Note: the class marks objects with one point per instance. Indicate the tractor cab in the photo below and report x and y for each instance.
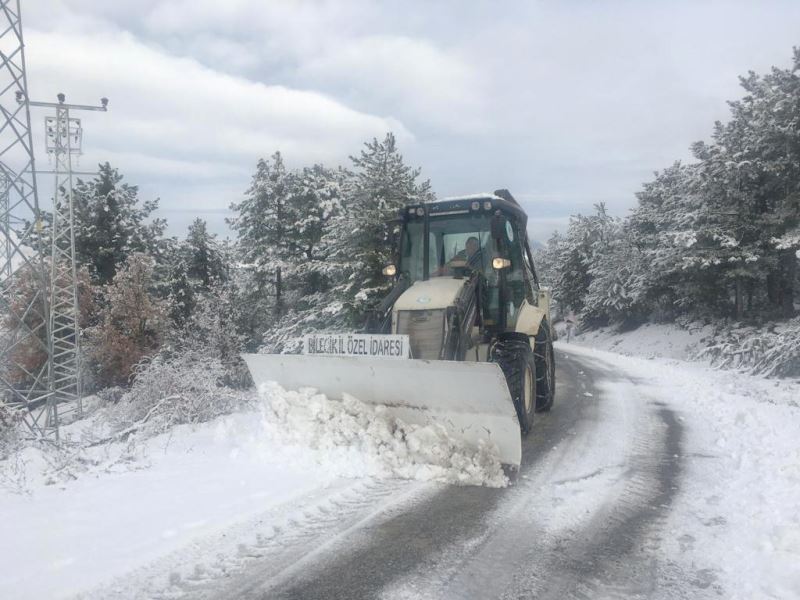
(480, 238)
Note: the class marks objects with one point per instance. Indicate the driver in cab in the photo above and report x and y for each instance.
(471, 257)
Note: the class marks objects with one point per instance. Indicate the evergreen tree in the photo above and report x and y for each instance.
(182, 293)
(719, 237)
(201, 254)
(360, 236)
(111, 223)
(752, 182)
(267, 218)
(313, 272)
(260, 225)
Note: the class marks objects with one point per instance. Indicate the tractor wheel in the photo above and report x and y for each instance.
(515, 358)
(545, 368)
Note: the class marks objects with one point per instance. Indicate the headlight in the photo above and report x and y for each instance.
(487, 205)
(390, 270)
(420, 211)
(500, 263)
(476, 205)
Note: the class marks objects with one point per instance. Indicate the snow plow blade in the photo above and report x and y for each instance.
(470, 400)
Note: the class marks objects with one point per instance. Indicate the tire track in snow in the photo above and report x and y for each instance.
(615, 554)
(278, 537)
(583, 522)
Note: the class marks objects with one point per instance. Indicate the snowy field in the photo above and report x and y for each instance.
(151, 518)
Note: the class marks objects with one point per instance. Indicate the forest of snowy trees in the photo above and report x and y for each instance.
(716, 239)
(164, 317)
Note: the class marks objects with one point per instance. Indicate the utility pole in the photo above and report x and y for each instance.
(63, 138)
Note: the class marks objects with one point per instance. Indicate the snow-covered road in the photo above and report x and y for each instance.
(649, 479)
(627, 491)
(599, 477)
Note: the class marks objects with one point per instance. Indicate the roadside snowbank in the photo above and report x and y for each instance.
(80, 517)
(736, 520)
(771, 349)
(651, 340)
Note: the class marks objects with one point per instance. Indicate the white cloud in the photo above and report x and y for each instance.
(412, 77)
(178, 112)
(163, 103)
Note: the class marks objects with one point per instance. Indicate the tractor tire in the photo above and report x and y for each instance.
(545, 368)
(515, 358)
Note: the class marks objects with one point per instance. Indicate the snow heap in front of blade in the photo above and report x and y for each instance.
(374, 443)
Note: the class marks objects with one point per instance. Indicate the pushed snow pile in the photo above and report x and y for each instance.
(374, 442)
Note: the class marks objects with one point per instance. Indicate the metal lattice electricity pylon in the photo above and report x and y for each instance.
(25, 348)
(40, 358)
(64, 136)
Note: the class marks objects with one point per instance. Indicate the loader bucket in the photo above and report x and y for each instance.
(470, 400)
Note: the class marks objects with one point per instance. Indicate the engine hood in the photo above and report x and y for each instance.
(436, 293)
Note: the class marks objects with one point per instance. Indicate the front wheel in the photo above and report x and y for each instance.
(515, 358)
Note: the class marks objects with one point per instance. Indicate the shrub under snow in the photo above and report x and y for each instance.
(187, 388)
(773, 353)
(10, 437)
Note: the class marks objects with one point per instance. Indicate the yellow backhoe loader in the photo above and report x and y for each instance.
(463, 339)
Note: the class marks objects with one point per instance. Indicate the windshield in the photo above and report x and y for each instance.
(455, 243)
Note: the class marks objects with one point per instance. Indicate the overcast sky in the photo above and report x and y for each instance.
(564, 103)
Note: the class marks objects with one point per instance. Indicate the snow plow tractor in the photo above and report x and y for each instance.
(462, 340)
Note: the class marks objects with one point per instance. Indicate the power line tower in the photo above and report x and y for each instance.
(64, 138)
(5, 226)
(40, 357)
(25, 341)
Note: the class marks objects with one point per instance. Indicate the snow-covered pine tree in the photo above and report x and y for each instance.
(670, 229)
(201, 253)
(719, 237)
(262, 218)
(573, 261)
(260, 223)
(752, 181)
(619, 278)
(111, 223)
(181, 292)
(196, 263)
(215, 329)
(359, 237)
(311, 272)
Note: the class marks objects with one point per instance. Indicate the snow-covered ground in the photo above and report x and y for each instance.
(152, 517)
(651, 340)
(737, 516)
(82, 518)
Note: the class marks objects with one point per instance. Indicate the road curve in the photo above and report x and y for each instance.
(582, 520)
